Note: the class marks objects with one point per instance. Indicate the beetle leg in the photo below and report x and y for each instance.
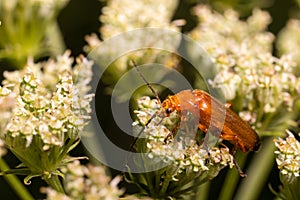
(183, 121)
(242, 174)
(202, 127)
(227, 105)
(232, 139)
(233, 151)
(171, 133)
(167, 137)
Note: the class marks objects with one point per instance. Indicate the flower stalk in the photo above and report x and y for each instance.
(15, 183)
(54, 182)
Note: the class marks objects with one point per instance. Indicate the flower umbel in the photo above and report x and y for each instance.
(47, 116)
(86, 182)
(151, 37)
(288, 161)
(288, 40)
(183, 162)
(258, 84)
(288, 156)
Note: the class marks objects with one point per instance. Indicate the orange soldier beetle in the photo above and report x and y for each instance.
(233, 129)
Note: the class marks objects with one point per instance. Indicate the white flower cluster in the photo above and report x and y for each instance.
(46, 100)
(7, 102)
(225, 34)
(124, 15)
(242, 54)
(46, 8)
(121, 16)
(86, 182)
(146, 109)
(184, 153)
(288, 156)
(288, 40)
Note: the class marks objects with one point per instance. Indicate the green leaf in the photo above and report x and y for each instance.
(19, 171)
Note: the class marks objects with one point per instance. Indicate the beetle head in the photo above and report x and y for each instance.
(168, 105)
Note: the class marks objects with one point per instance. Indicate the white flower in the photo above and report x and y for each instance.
(88, 182)
(44, 116)
(183, 152)
(288, 156)
(288, 40)
(242, 53)
(121, 16)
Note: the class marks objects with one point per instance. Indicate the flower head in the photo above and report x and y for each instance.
(86, 182)
(185, 158)
(222, 34)
(247, 73)
(127, 24)
(288, 40)
(288, 156)
(117, 18)
(48, 111)
(187, 152)
(36, 38)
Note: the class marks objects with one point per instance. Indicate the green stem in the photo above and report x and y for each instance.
(15, 183)
(258, 172)
(232, 178)
(149, 180)
(202, 191)
(55, 183)
(157, 179)
(166, 183)
(290, 188)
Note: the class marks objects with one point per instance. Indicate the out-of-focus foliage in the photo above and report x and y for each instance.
(288, 41)
(29, 29)
(120, 16)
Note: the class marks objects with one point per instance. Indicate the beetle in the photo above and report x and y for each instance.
(212, 113)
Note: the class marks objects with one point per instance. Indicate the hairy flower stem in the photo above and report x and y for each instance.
(151, 189)
(166, 183)
(15, 183)
(232, 178)
(55, 183)
(291, 190)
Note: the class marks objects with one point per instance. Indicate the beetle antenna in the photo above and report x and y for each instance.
(152, 117)
(144, 79)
